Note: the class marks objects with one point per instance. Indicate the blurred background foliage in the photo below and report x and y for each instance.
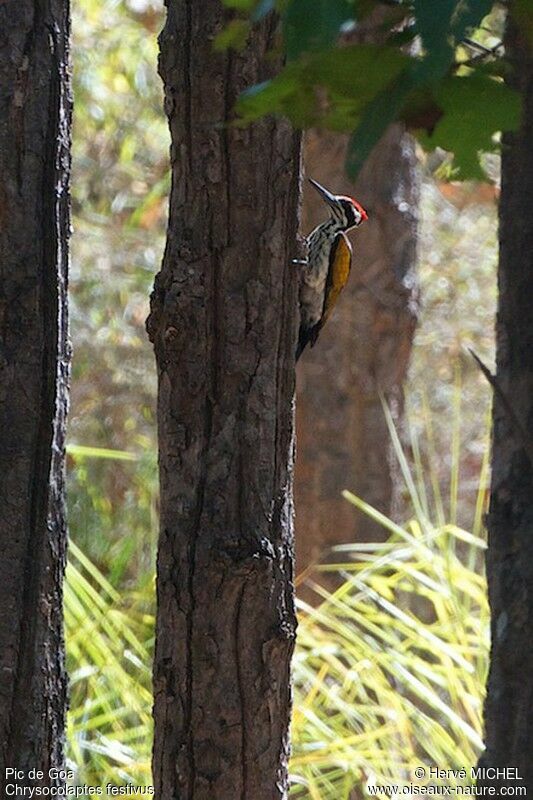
(120, 184)
(367, 698)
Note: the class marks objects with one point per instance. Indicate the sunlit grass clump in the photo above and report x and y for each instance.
(109, 639)
(389, 670)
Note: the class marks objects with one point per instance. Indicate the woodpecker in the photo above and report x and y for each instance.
(328, 264)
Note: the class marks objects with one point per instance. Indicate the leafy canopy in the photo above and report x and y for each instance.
(435, 66)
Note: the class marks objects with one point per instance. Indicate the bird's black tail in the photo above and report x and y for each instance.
(306, 336)
(299, 349)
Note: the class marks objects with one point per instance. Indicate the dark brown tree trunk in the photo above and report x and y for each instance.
(223, 324)
(34, 230)
(343, 440)
(509, 705)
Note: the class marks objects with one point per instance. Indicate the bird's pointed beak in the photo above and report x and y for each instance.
(329, 198)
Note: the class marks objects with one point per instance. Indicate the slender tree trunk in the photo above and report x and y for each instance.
(343, 439)
(223, 324)
(34, 230)
(509, 706)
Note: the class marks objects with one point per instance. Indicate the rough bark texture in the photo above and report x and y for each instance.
(34, 229)
(343, 440)
(223, 325)
(509, 706)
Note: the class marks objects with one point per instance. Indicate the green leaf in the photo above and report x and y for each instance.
(351, 77)
(382, 110)
(358, 72)
(234, 35)
(474, 109)
(244, 6)
(433, 21)
(311, 25)
(287, 94)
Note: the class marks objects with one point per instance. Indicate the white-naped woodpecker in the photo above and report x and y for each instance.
(328, 264)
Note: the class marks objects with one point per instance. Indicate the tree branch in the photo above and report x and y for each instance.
(519, 429)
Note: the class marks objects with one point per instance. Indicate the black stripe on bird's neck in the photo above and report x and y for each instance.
(337, 223)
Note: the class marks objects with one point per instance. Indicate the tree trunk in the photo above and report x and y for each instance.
(343, 440)
(509, 705)
(223, 323)
(34, 230)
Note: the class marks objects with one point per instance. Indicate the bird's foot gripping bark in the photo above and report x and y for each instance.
(301, 255)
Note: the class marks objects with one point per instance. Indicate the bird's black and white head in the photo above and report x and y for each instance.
(345, 211)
